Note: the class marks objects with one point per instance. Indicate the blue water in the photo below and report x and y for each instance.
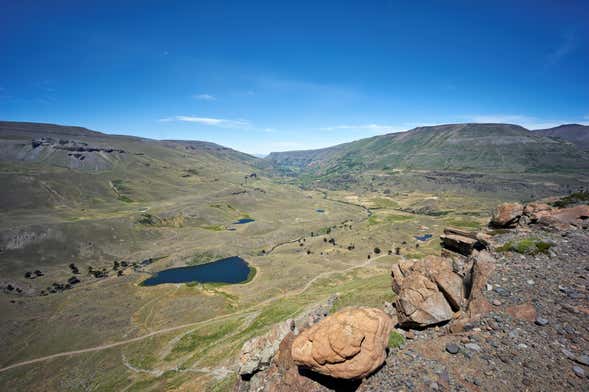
(424, 237)
(243, 220)
(320, 210)
(230, 270)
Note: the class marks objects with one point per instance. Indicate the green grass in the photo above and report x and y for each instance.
(125, 199)
(381, 202)
(203, 258)
(224, 385)
(213, 227)
(372, 294)
(396, 340)
(378, 219)
(466, 223)
(529, 246)
(202, 338)
(573, 198)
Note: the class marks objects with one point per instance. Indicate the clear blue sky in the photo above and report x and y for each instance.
(275, 75)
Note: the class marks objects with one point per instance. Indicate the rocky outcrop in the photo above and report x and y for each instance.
(506, 215)
(563, 218)
(510, 215)
(433, 290)
(460, 241)
(349, 344)
(258, 352)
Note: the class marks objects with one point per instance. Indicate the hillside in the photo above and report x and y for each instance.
(77, 167)
(454, 147)
(575, 133)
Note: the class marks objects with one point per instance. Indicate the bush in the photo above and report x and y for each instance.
(396, 340)
(573, 198)
(529, 246)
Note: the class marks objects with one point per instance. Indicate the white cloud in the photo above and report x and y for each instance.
(216, 122)
(369, 127)
(204, 97)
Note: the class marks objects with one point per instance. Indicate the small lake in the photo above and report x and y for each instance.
(424, 237)
(229, 270)
(243, 220)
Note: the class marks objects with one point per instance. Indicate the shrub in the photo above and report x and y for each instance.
(396, 340)
(530, 246)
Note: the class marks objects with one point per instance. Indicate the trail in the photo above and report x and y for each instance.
(179, 327)
(183, 326)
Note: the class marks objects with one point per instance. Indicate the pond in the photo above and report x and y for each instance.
(229, 270)
(320, 210)
(424, 237)
(243, 220)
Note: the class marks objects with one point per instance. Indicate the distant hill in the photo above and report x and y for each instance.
(84, 149)
(574, 133)
(454, 147)
(47, 165)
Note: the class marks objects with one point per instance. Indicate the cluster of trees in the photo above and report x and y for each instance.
(34, 274)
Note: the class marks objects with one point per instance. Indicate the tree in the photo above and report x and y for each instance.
(377, 251)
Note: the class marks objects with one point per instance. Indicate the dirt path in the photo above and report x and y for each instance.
(179, 327)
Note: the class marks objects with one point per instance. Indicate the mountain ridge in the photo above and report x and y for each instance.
(467, 146)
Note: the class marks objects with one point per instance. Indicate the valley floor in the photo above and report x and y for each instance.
(113, 334)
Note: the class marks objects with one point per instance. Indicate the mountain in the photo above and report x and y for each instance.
(575, 133)
(453, 147)
(76, 167)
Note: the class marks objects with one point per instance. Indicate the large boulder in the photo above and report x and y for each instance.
(421, 303)
(535, 211)
(561, 219)
(349, 344)
(428, 291)
(483, 265)
(506, 215)
(257, 353)
(436, 289)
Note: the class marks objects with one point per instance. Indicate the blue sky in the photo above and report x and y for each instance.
(272, 76)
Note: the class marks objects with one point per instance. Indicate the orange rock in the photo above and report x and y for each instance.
(535, 211)
(563, 218)
(506, 215)
(525, 312)
(349, 344)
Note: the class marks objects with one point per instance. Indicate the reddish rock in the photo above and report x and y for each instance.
(428, 291)
(535, 211)
(562, 218)
(349, 344)
(506, 215)
(525, 312)
(420, 302)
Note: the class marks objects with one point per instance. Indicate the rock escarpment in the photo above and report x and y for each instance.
(510, 215)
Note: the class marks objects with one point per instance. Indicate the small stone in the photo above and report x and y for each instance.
(568, 354)
(531, 282)
(579, 371)
(489, 287)
(501, 291)
(452, 348)
(496, 302)
(473, 347)
(583, 359)
(410, 335)
(522, 346)
(541, 321)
